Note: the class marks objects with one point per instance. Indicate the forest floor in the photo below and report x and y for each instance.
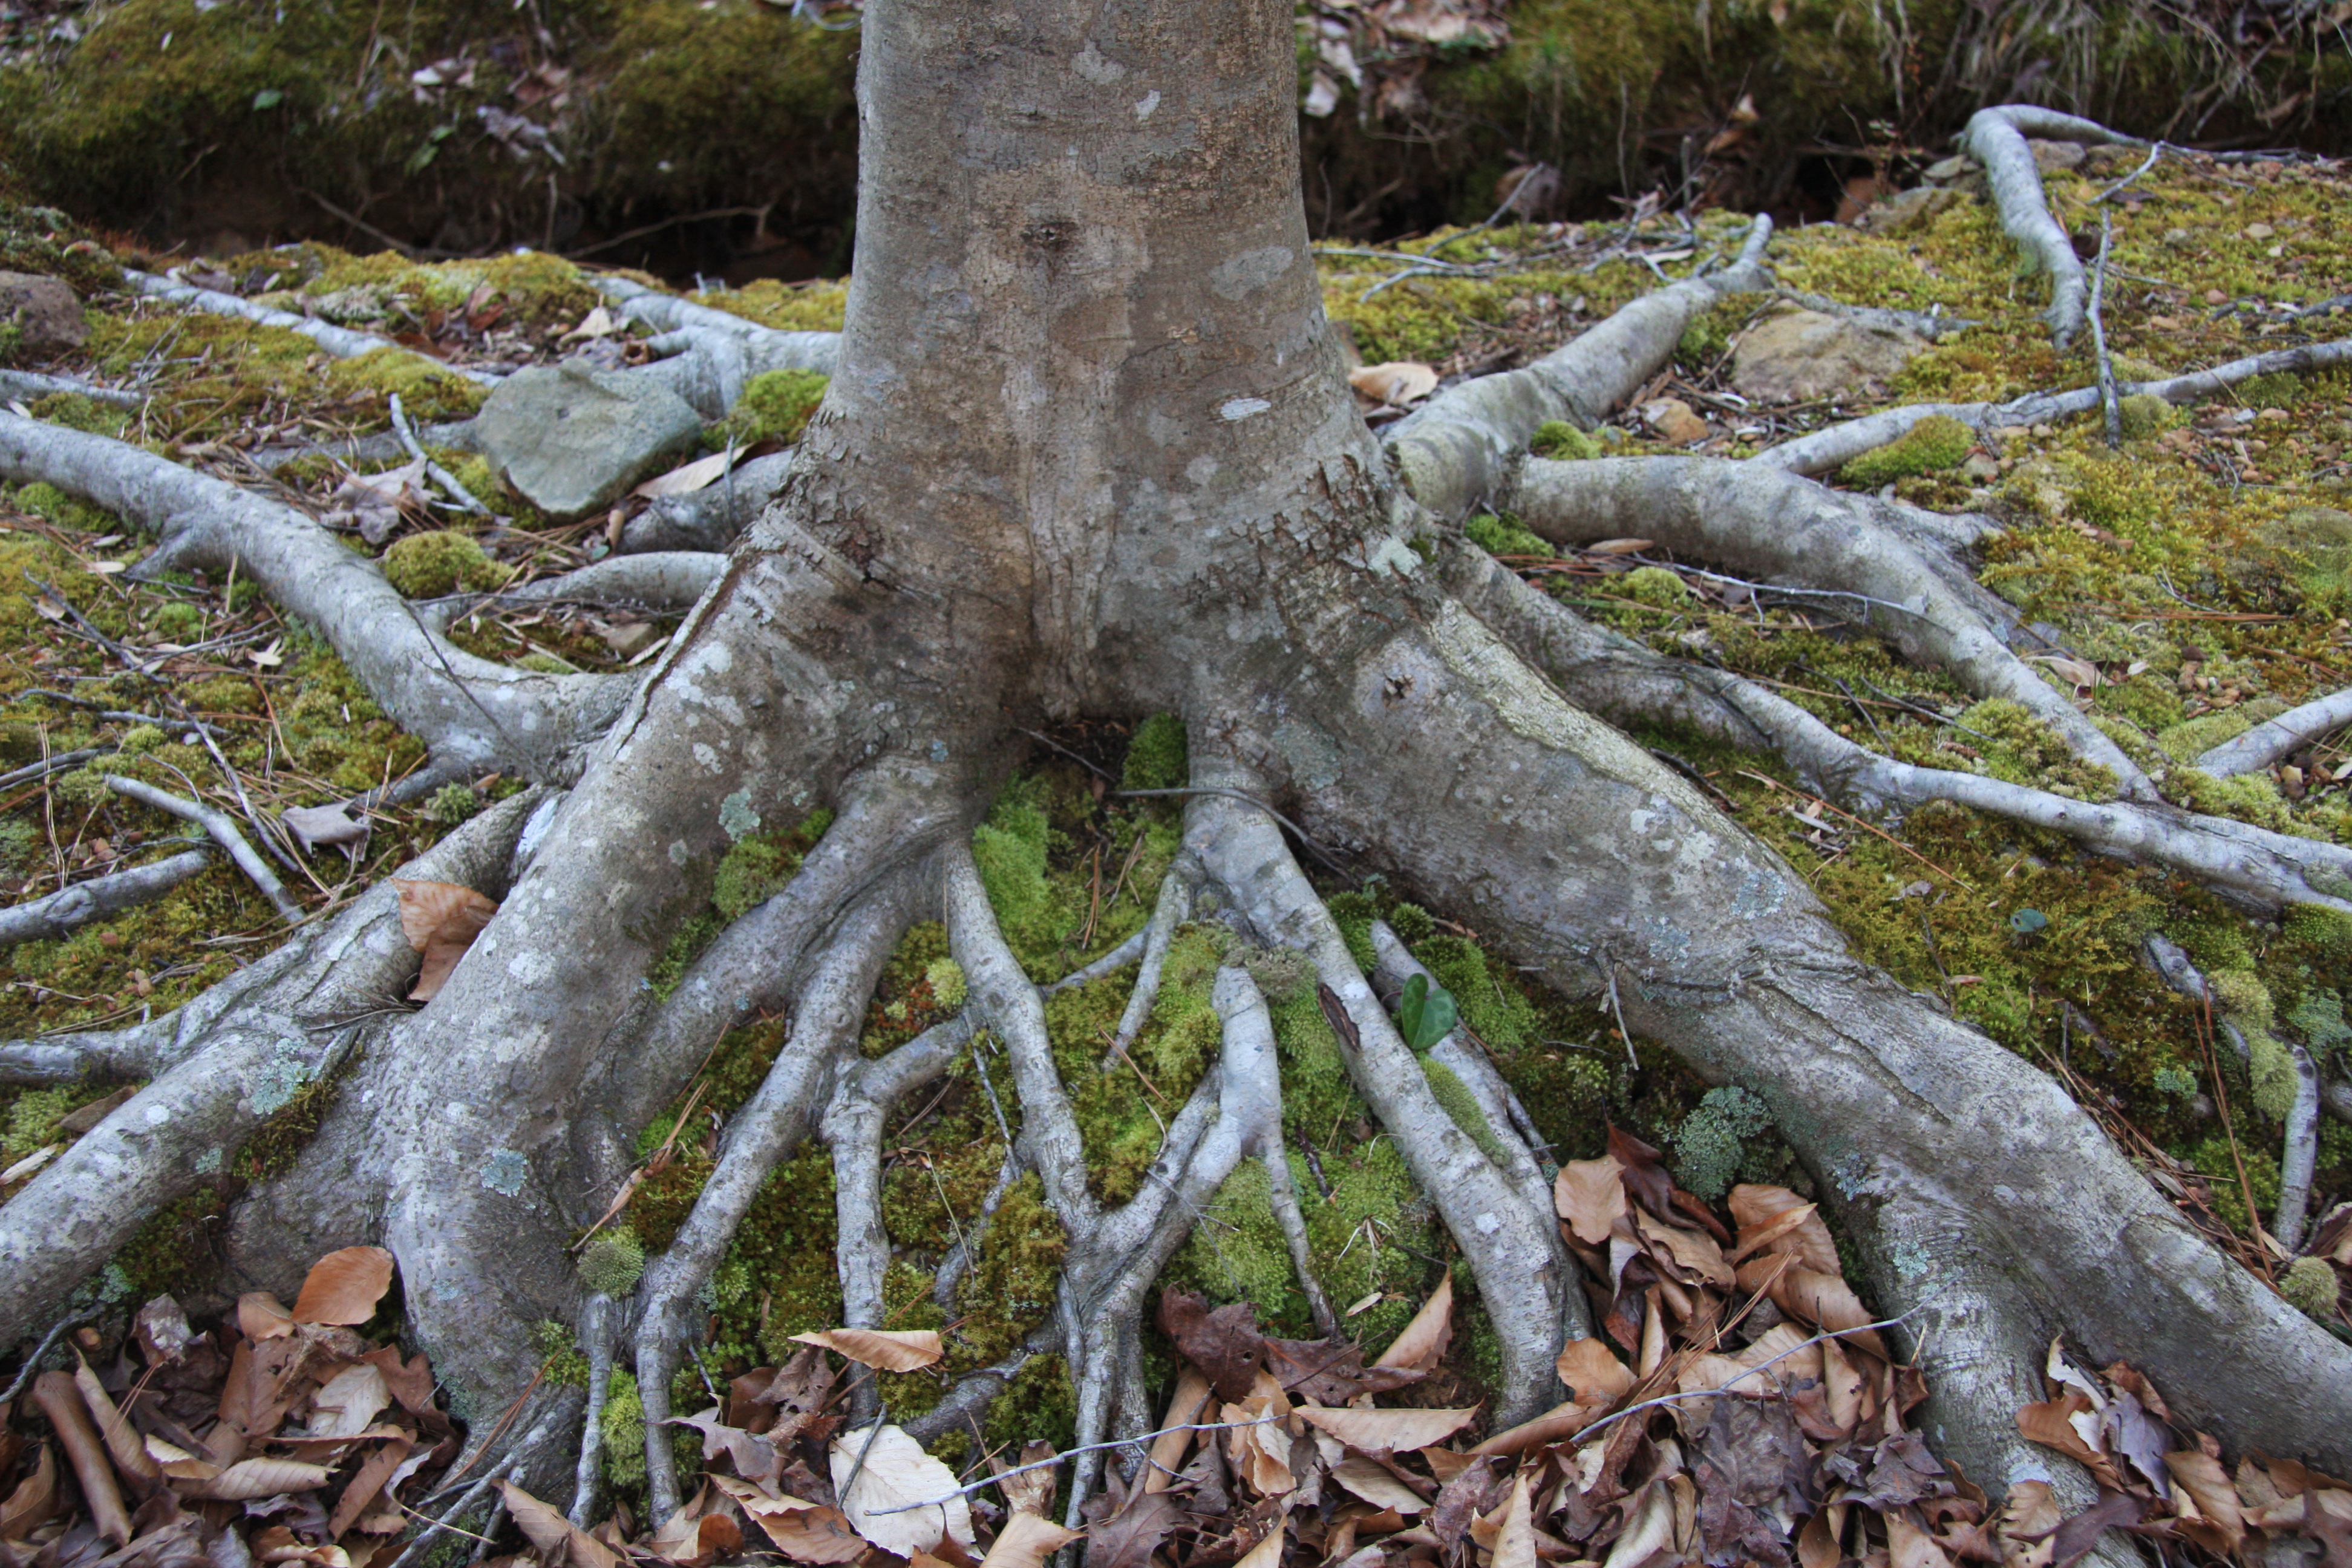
(2198, 577)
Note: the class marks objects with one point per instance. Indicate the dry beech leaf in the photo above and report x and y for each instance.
(1377, 1486)
(1168, 1449)
(348, 1402)
(897, 1472)
(2208, 1485)
(178, 1463)
(250, 1479)
(2051, 1425)
(687, 478)
(557, 1539)
(1026, 1541)
(344, 1287)
(320, 827)
(1621, 546)
(1590, 1194)
(440, 921)
(33, 1501)
(1424, 1340)
(803, 1531)
(1591, 1373)
(1386, 1431)
(1396, 383)
(1030, 1490)
(123, 1442)
(1822, 1299)
(887, 1349)
(259, 1316)
(1268, 1553)
(366, 1487)
(1758, 1209)
(1515, 1535)
(1689, 1251)
(1562, 1420)
(692, 1541)
(1650, 1526)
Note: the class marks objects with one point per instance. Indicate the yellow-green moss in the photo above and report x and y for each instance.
(1936, 443)
(1156, 754)
(775, 406)
(1012, 1281)
(1563, 443)
(429, 390)
(429, 565)
(1503, 537)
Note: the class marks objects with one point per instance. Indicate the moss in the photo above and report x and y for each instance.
(945, 978)
(1238, 1252)
(429, 390)
(624, 1433)
(429, 565)
(560, 1360)
(775, 406)
(1038, 1405)
(1491, 1001)
(2310, 1288)
(1934, 444)
(2319, 1018)
(2211, 1157)
(1563, 443)
(756, 867)
(75, 412)
(1462, 1106)
(1156, 757)
(612, 1261)
(45, 499)
(453, 804)
(2191, 739)
(1653, 585)
(1499, 537)
(2144, 414)
(1013, 1280)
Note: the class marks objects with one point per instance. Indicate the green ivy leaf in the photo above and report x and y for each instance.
(1426, 1013)
(2025, 923)
(267, 98)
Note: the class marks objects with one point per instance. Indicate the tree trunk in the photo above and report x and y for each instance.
(1087, 451)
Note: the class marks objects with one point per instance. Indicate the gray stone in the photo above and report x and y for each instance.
(44, 312)
(572, 439)
(1806, 354)
(2057, 157)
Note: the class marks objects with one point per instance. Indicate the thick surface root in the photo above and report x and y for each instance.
(1996, 137)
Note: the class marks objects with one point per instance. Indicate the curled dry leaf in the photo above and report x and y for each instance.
(1592, 1374)
(1268, 1553)
(440, 921)
(687, 478)
(344, 1287)
(886, 1350)
(1621, 546)
(1026, 1541)
(348, 1402)
(1387, 1431)
(250, 1479)
(692, 1541)
(897, 1473)
(1590, 1194)
(1377, 1485)
(803, 1531)
(557, 1539)
(260, 1316)
(1774, 1219)
(1168, 1449)
(123, 1443)
(1396, 383)
(1514, 1536)
(1422, 1342)
(178, 1463)
(325, 826)
(2207, 1487)
(35, 1499)
(1032, 1490)
(1824, 1299)
(162, 1332)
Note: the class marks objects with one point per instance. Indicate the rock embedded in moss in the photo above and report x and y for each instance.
(430, 565)
(1806, 354)
(572, 439)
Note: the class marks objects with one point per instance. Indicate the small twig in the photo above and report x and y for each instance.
(2107, 403)
(881, 1415)
(1073, 1453)
(1049, 740)
(433, 470)
(31, 1369)
(224, 833)
(2154, 153)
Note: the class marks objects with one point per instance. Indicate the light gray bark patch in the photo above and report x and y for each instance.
(1238, 277)
(736, 815)
(504, 1170)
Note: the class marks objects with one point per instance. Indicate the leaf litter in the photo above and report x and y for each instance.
(1738, 1406)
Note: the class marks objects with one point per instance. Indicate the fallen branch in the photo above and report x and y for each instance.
(224, 833)
(83, 902)
(1834, 446)
(433, 470)
(27, 385)
(341, 342)
(2265, 743)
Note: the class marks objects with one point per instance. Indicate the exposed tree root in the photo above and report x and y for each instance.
(222, 1065)
(1834, 446)
(2265, 743)
(1620, 680)
(1173, 906)
(1576, 852)
(1462, 447)
(668, 580)
(481, 716)
(1790, 530)
(1466, 1057)
(714, 355)
(341, 342)
(827, 1017)
(712, 517)
(1996, 138)
(599, 1326)
(97, 898)
(27, 385)
(1525, 1276)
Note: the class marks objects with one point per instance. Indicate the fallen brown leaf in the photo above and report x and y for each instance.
(886, 1350)
(250, 1479)
(1386, 1431)
(556, 1537)
(1590, 1194)
(440, 921)
(803, 1531)
(1422, 1341)
(1396, 383)
(1026, 1541)
(1225, 1344)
